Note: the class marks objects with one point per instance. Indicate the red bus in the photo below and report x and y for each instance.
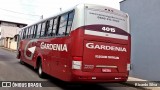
(88, 43)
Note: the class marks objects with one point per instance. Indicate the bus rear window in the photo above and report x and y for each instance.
(105, 18)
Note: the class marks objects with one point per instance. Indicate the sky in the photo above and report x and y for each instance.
(30, 11)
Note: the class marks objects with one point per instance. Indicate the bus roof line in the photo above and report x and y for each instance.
(52, 16)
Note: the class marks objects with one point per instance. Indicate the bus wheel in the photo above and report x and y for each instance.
(21, 62)
(40, 72)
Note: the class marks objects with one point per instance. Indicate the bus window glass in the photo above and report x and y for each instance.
(54, 27)
(70, 20)
(27, 32)
(47, 28)
(24, 33)
(50, 27)
(43, 29)
(21, 34)
(38, 30)
(63, 24)
(71, 15)
(34, 31)
(68, 30)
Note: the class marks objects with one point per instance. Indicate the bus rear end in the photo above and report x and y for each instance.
(102, 46)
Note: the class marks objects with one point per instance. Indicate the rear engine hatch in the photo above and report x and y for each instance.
(104, 57)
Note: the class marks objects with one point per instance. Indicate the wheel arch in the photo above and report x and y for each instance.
(39, 58)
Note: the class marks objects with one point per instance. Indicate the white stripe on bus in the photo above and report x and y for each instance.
(103, 34)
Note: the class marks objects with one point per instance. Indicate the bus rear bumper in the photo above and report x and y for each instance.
(79, 76)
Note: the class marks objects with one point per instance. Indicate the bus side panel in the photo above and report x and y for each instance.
(56, 62)
(77, 42)
(25, 52)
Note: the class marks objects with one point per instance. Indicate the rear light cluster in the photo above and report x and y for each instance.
(77, 63)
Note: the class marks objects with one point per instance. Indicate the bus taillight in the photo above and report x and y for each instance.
(77, 63)
(128, 67)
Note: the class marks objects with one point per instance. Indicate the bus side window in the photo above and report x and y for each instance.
(63, 24)
(69, 23)
(28, 32)
(34, 31)
(26, 36)
(38, 30)
(31, 30)
(47, 28)
(50, 27)
(54, 32)
(24, 33)
(43, 29)
(21, 34)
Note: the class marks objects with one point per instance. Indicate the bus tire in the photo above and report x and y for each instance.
(40, 71)
(20, 60)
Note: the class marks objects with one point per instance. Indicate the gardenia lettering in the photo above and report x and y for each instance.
(57, 47)
(104, 47)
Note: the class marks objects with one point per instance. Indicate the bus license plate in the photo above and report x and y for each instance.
(106, 70)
